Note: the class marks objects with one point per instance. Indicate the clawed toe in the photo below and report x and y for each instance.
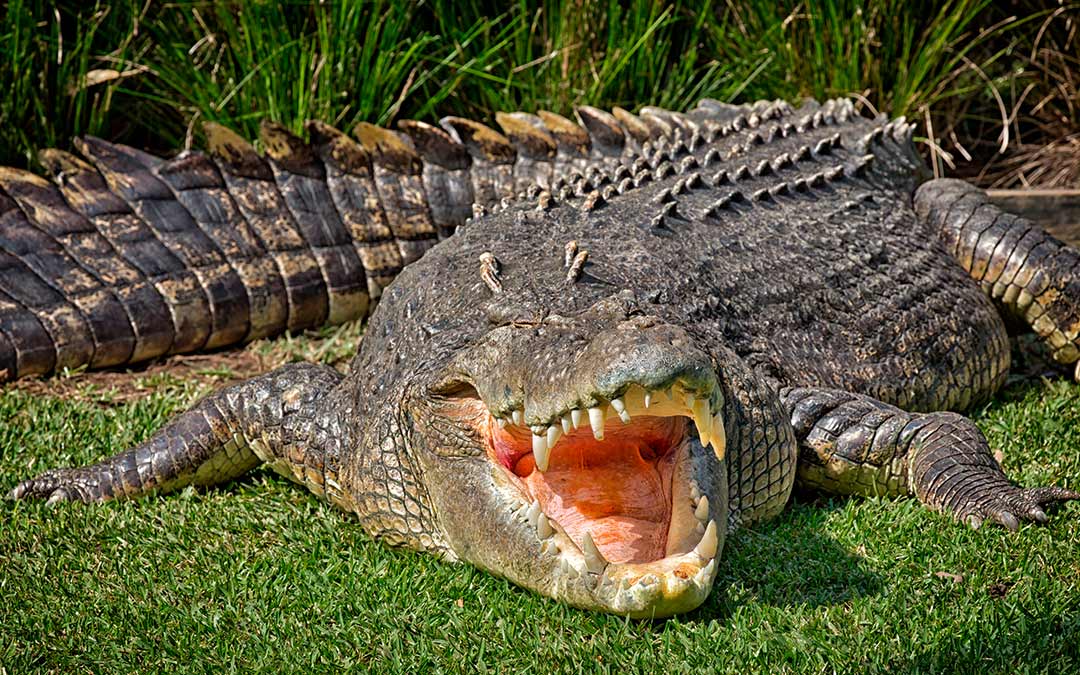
(1006, 520)
(1017, 505)
(57, 485)
(1038, 515)
(58, 495)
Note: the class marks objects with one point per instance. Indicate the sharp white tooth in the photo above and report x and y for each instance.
(704, 573)
(553, 434)
(703, 420)
(670, 393)
(569, 569)
(702, 509)
(719, 435)
(648, 398)
(567, 426)
(533, 514)
(703, 434)
(518, 416)
(596, 420)
(501, 422)
(695, 491)
(593, 559)
(575, 417)
(701, 411)
(541, 452)
(620, 410)
(690, 400)
(543, 526)
(706, 548)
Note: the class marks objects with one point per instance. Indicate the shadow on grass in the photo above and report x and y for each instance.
(784, 563)
(789, 562)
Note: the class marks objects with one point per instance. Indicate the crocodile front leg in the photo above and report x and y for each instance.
(279, 418)
(1027, 271)
(853, 444)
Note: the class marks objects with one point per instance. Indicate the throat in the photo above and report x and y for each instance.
(617, 490)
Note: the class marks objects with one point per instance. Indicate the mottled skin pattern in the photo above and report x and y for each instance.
(776, 265)
(127, 256)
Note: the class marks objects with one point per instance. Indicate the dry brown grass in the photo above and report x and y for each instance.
(333, 346)
(1044, 110)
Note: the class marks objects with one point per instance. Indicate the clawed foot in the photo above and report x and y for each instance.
(56, 485)
(953, 472)
(1007, 506)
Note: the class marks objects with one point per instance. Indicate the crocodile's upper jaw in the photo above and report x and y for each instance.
(620, 519)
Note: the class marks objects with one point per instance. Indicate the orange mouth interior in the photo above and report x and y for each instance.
(618, 489)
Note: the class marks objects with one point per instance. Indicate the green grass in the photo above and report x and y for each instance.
(148, 73)
(237, 63)
(259, 575)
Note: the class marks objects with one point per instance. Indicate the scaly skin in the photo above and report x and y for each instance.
(582, 391)
(129, 256)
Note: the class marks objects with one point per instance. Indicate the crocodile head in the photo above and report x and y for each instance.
(580, 456)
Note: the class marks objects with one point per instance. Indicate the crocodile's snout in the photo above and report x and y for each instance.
(599, 436)
(547, 369)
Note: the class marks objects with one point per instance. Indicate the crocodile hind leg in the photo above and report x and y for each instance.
(274, 418)
(1027, 271)
(854, 444)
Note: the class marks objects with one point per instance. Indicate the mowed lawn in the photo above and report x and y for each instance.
(259, 575)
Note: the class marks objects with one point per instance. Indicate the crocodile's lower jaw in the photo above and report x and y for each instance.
(621, 519)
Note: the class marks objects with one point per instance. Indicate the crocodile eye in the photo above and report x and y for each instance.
(453, 389)
(454, 421)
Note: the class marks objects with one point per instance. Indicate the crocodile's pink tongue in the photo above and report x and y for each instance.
(618, 490)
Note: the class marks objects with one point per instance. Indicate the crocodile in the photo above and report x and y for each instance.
(586, 388)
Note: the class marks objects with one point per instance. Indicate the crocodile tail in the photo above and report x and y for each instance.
(126, 256)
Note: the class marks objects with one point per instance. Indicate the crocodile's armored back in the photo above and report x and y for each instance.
(127, 257)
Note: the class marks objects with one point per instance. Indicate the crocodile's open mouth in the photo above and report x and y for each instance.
(616, 490)
(610, 490)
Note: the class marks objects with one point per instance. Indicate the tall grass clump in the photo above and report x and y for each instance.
(559, 53)
(1043, 100)
(341, 62)
(148, 73)
(375, 61)
(935, 62)
(61, 66)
